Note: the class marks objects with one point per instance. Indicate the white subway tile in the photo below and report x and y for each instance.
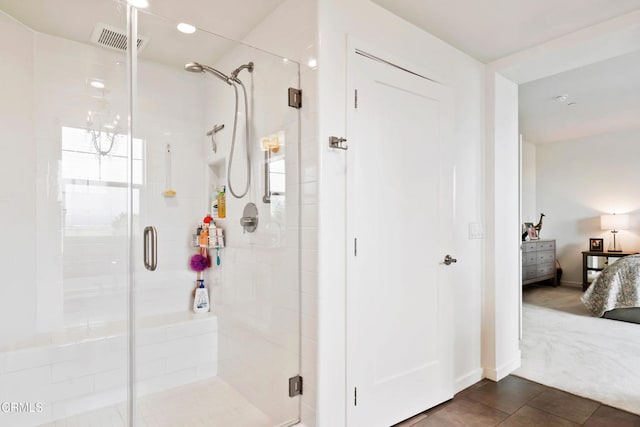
(207, 370)
(173, 379)
(27, 385)
(309, 238)
(93, 363)
(70, 389)
(310, 193)
(25, 359)
(309, 215)
(150, 369)
(308, 415)
(111, 379)
(309, 261)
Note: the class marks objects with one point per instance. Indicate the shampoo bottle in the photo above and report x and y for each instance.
(201, 300)
(222, 203)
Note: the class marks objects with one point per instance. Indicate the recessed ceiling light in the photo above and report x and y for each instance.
(186, 28)
(312, 62)
(561, 98)
(98, 84)
(140, 4)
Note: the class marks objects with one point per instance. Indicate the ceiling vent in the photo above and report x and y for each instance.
(114, 38)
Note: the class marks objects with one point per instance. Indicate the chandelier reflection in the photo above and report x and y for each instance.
(103, 129)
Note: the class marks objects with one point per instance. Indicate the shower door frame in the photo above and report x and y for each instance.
(132, 81)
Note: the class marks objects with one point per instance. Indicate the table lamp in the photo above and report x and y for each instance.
(614, 223)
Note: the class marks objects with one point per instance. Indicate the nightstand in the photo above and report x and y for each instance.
(596, 262)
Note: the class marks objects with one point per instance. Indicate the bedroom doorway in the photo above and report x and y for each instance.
(575, 126)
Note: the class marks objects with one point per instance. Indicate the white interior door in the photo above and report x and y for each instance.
(399, 215)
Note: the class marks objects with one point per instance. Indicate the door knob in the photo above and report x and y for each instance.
(448, 260)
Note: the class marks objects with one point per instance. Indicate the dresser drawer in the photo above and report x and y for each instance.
(529, 258)
(529, 247)
(530, 272)
(546, 256)
(545, 246)
(545, 269)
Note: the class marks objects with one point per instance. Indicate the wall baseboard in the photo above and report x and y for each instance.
(571, 284)
(468, 380)
(496, 374)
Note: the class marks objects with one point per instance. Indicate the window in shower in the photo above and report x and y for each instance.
(94, 221)
(88, 176)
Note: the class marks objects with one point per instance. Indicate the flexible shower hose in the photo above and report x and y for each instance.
(246, 141)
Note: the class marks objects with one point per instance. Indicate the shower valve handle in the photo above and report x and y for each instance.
(247, 220)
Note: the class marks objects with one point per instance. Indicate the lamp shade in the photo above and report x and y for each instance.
(614, 222)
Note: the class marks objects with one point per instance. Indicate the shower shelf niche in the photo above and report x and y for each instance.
(216, 178)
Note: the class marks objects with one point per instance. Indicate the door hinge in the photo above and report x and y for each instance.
(355, 396)
(338, 142)
(355, 247)
(295, 386)
(295, 97)
(355, 103)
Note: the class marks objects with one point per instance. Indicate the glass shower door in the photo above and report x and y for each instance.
(63, 138)
(229, 365)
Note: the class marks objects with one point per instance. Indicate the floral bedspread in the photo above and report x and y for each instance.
(618, 286)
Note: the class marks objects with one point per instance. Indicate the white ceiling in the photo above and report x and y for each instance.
(491, 29)
(607, 93)
(607, 97)
(75, 20)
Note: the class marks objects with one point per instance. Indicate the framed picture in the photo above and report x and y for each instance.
(525, 230)
(596, 245)
(533, 233)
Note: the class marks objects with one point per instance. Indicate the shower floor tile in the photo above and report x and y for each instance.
(209, 403)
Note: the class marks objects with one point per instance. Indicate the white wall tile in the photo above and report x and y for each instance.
(27, 385)
(17, 204)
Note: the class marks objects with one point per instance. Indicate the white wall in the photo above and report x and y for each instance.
(579, 180)
(529, 209)
(500, 329)
(17, 169)
(377, 27)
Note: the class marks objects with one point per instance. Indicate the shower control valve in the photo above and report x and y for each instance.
(249, 220)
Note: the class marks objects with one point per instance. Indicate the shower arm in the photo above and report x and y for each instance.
(234, 73)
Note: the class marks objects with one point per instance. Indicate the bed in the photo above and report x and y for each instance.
(615, 294)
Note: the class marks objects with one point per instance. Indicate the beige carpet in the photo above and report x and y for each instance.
(564, 347)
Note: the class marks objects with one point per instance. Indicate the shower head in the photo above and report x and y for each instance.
(195, 67)
(234, 73)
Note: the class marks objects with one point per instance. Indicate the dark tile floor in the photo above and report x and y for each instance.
(515, 402)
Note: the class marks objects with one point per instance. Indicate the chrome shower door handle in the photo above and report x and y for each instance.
(267, 176)
(448, 260)
(150, 248)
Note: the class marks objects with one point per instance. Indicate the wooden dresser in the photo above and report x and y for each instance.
(538, 261)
